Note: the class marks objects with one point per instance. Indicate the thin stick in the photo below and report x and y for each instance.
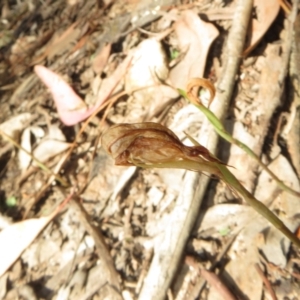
(266, 281)
(38, 162)
(168, 255)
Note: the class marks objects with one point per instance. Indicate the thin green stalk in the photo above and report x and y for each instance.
(224, 174)
(218, 126)
(231, 180)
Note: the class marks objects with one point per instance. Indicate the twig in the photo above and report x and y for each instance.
(212, 279)
(275, 90)
(293, 135)
(215, 281)
(145, 266)
(113, 278)
(285, 6)
(200, 284)
(173, 240)
(38, 162)
(32, 201)
(266, 281)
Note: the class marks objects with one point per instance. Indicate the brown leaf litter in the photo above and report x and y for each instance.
(106, 242)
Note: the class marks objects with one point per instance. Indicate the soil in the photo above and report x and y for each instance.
(81, 227)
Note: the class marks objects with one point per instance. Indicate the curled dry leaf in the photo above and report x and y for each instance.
(149, 143)
(193, 87)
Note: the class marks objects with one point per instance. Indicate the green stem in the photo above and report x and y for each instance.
(218, 126)
(223, 173)
(230, 179)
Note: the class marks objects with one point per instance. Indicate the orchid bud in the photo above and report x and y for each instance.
(142, 142)
(148, 144)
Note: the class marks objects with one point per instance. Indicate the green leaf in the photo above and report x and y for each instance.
(11, 201)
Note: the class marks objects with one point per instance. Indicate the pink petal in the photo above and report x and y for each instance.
(70, 107)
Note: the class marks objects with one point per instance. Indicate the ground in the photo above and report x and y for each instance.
(90, 216)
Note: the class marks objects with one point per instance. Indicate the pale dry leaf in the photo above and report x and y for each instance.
(266, 12)
(37, 131)
(17, 237)
(186, 118)
(149, 68)
(195, 38)
(288, 288)
(266, 186)
(155, 195)
(276, 244)
(4, 222)
(127, 295)
(258, 234)
(24, 158)
(14, 125)
(91, 96)
(96, 84)
(97, 280)
(241, 270)
(225, 216)
(125, 177)
(72, 2)
(55, 133)
(3, 286)
(49, 148)
(244, 255)
(109, 84)
(149, 64)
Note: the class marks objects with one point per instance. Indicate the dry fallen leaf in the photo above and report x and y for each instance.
(149, 67)
(24, 158)
(49, 148)
(195, 38)
(15, 124)
(15, 238)
(70, 107)
(26, 140)
(266, 12)
(149, 64)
